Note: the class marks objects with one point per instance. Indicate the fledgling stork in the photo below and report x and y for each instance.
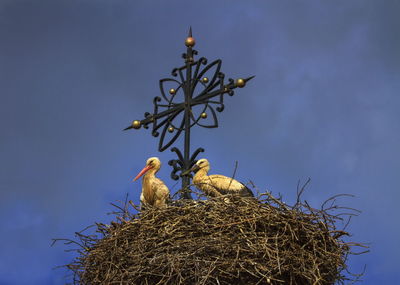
(154, 191)
(217, 185)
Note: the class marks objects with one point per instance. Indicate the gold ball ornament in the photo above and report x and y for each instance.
(136, 124)
(190, 42)
(205, 80)
(203, 115)
(172, 91)
(171, 129)
(240, 83)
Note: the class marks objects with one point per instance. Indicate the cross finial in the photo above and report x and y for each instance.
(190, 42)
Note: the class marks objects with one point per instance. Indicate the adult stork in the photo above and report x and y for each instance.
(217, 185)
(154, 191)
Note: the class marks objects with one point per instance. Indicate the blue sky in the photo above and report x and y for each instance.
(324, 104)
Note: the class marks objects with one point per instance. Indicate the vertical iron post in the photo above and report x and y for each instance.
(188, 96)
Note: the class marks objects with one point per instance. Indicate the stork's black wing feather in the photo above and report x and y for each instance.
(246, 192)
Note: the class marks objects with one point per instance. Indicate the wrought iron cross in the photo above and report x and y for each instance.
(197, 90)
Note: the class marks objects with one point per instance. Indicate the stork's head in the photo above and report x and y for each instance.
(201, 164)
(153, 163)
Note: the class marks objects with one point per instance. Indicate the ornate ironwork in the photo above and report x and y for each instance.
(172, 116)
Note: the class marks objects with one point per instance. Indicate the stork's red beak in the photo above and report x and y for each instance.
(144, 170)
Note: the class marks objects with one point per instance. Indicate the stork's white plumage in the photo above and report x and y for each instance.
(217, 185)
(154, 191)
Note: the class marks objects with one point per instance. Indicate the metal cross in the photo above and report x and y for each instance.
(177, 117)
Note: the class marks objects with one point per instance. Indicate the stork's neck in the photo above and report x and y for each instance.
(201, 173)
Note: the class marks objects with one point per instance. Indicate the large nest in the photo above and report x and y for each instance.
(226, 240)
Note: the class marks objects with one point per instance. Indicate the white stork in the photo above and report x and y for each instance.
(217, 185)
(154, 191)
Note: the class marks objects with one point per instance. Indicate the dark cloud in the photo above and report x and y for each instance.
(323, 104)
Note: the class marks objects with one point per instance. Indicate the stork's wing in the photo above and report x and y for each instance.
(225, 183)
(228, 185)
(246, 192)
(161, 191)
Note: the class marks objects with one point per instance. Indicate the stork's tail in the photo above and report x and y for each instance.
(246, 192)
